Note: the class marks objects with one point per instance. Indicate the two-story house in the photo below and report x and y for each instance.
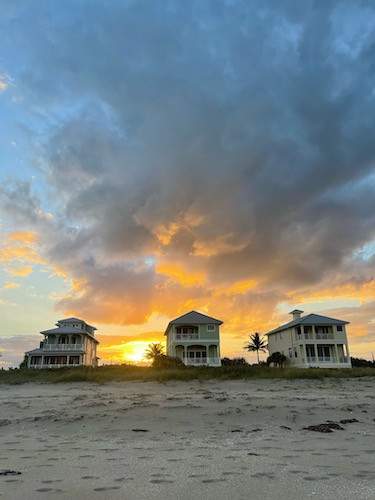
(312, 341)
(195, 339)
(71, 343)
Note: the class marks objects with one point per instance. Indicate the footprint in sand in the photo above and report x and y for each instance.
(48, 490)
(160, 481)
(107, 488)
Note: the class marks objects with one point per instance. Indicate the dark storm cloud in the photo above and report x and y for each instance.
(243, 130)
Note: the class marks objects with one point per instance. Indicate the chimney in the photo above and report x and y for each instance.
(296, 314)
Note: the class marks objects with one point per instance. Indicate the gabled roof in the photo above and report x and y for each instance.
(65, 329)
(69, 330)
(193, 318)
(309, 319)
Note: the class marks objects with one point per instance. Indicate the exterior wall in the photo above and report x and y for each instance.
(207, 341)
(293, 346)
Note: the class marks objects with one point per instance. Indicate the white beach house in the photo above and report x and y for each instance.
(195, 339)
(312, 341)
(71, 343)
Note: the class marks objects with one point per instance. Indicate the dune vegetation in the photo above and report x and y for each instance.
(141, 373)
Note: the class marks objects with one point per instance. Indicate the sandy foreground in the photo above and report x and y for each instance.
(182, 440)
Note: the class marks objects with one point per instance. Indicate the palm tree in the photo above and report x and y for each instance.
(256, 343)
(154, 351)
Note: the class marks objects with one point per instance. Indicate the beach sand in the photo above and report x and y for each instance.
(188, 440)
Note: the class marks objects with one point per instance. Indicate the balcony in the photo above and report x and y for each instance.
(325, 336)
(62, 347)
(187, 336)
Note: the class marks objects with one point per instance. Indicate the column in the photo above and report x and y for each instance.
(347, 351)
(336, 353)
(185, 353)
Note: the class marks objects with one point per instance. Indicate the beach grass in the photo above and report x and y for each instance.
(126, 373)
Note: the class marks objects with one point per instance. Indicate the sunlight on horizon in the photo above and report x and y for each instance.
(134, 351)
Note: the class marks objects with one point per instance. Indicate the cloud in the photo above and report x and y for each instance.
(202, 155)
(20, 271)
(11, 285)
(4, 82)
(12, 348)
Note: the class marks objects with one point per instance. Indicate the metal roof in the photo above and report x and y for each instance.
(60, 352)
(309, 319)
(75, 320)
(65, 329)
(69, 330)
(194, 318)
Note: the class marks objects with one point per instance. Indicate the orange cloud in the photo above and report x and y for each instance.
(11, 285)
(21, 271)
(178, 273)
(362, 291)
(26, 237)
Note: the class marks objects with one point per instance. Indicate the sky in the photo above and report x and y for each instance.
(161, 156)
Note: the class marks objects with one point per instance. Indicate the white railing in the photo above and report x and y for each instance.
(324, 336)
(62, 347)
(201, 361)
(326, 359)
(187, 336)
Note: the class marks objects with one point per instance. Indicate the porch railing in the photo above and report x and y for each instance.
(62, 347)
(201, 361)
(187, 336)
(324, 336)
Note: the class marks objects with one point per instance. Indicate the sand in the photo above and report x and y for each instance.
(182, 440)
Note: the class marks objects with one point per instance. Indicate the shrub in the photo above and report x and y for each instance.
(276, 359)
(234, 362)
(362, 363)
(163, 361)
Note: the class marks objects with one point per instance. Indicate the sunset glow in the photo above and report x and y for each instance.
(134, 351)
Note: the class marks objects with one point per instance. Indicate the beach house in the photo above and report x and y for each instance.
(312, 341)
(71, 343)
(195, 339)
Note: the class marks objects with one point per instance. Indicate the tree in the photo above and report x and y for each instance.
(23, 363)
(277, 359)
(256, 343)
(154, 351)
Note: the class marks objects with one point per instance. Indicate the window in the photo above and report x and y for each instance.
(307, 329)
(339, 328)
(178, 329)
(295, 352)
(310, 350)
(184, 330)
(323, 329)
(210, 328)
(290, 352)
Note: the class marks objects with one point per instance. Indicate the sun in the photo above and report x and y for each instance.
(134, 351)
